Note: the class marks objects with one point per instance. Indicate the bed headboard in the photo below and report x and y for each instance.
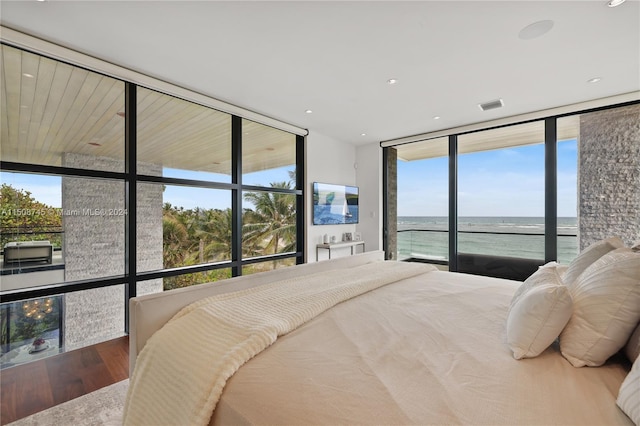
(149, 313)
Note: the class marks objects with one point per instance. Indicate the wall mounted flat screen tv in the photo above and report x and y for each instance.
(334, 204)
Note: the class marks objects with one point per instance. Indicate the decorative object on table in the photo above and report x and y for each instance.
(39, 345)
(325, 239)
(333, 238)
(347, 236)
(357, 236)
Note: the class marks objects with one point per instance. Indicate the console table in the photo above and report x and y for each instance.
(341, 244)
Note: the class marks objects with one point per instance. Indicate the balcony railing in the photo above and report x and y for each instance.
(433, 244)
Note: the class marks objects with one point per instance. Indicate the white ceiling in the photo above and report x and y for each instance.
(334, 58)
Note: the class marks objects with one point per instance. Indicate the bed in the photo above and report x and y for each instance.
(428, 347)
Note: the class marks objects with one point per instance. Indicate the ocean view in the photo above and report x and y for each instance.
(427, 237)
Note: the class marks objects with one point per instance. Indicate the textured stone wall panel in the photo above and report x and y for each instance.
(392, 203)
(94, 246)
(609, 175)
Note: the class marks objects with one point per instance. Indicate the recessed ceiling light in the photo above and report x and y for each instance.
(308, 111)
(535, 30)
(594, 80)
(392, 81)
(614, 3)
(437, 117)
(27, 75)
(363, 134)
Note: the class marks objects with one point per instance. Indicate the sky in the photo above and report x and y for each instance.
(506, 182)
(502, 183)
(47, 189)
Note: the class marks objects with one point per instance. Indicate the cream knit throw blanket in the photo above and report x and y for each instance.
(182, 369)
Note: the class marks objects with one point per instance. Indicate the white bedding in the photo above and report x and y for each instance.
(183, 368)
(427, 350)
(430, 349)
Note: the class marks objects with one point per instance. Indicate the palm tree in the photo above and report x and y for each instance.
(214, 230)
(175, 237)
(272, 226)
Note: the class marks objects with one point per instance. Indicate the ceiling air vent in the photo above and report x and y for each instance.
(491, 105)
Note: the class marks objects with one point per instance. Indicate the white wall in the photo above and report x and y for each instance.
(333, 161)
(328, 161)
(369, 179)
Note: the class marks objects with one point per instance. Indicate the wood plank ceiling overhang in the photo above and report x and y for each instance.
(49, 108)
(487, 140)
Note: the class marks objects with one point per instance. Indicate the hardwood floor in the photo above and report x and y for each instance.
(36, 386)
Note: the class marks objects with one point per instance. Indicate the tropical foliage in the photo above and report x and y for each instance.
(195, 236)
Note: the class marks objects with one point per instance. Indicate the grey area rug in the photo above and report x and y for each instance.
(102, 407)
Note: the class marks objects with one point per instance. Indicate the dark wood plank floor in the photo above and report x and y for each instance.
(38, 385)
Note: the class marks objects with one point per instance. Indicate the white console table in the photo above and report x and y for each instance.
(330, 246)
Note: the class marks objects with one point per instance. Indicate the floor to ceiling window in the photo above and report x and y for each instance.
(501, 192)
(94, 168)
(567, 154)
(423, 218)
(519, 195)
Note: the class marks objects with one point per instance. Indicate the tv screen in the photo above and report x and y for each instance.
(334, 204)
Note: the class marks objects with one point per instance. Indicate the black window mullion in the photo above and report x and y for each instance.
(550, 190)
(236, 200)
(453, 203)
(131, 158)
(300, 216)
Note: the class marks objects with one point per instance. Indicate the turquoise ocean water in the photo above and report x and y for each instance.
(427, 237)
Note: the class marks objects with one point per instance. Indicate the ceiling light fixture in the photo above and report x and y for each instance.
(308, 111)
(614, 3)
(363, 134)
(535, 30)
(392, 81)
(594, 80)
(437, 117)
(24, 74)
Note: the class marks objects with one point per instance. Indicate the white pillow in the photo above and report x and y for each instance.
(606, 309)
(537, 319)
(632, 348)
(588, 256)
(544, 275)
(629, 395)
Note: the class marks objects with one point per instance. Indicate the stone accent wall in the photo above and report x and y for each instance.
(94, 242)
(392, 204)
(609, 175)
